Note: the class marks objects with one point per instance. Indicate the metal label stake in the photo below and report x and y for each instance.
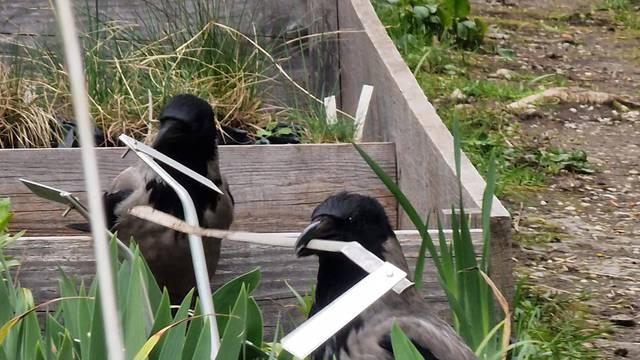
(322, 326)
(73, 203)
(147, 154)
(139, 147)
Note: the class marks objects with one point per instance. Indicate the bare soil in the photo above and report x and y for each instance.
(599, 213)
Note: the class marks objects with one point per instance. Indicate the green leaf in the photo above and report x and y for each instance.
(270, 126)
(194, 332)
(29, 336)
(427, 242)
(39, 352)
(284, 131)
(304, 302)
(52, 331)
(481, 27)
(5, 214)
(225, 297)
(134, 323)
(459, 9)
(446, 18)
(263, 133)
(174, 341)
(403, 348)
(421, 12)
(98, 346)
(70, 309)
(84, 320)
(234, 333)
(162, 319)
(202, 349)
(65, 351)
(153, 290)
(446, 258)
(254, 322)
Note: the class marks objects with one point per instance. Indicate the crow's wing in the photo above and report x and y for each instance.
(128, 189)
(433, 338)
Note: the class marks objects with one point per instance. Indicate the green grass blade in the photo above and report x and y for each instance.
(174, 341)
(29, 336)
(226, 296)
(65, 352)
(420, 260)
(489, 337)
(202, 349)
(403, 348)
(254, 322)
(162, 318)
(234, 334)
(446, 258)
(194, 333)
(427, 242)
(134, 323)
(84, 319)
(98, 345)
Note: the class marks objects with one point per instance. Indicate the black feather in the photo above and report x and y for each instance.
(351, 217)
(111, 200)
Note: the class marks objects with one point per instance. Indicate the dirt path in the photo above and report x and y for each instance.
(597, 216)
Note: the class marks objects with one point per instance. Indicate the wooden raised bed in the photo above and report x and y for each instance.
(276, 187)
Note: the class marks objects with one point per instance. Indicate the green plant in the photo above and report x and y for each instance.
(273, 129)
(552, 326)
(25, 120)
(131, 73)
(6, 262)
(305, 302)
(74, 329)
(316, 129)
(626, 12)
(418, 21)
(463, 278)
(554, 159)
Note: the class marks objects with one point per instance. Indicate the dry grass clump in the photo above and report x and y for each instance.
(24, 121)
(131, 71)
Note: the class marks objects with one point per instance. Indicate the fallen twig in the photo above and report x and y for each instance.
(572, 95)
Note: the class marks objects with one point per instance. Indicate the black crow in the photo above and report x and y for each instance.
(188, 135)
(352, 217)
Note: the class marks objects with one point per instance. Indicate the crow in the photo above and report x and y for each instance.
(188, 135)
(353, 217)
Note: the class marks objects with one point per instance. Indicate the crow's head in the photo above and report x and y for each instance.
(347, 217)
(186, 124)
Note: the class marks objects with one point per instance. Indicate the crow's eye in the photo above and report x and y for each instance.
(350, 219)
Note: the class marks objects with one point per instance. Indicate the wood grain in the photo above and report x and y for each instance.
(275, 187)
(42, 257)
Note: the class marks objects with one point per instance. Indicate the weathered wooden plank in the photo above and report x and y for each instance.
(401, 113)
(41, 257)
(275, 187)
(268, 19)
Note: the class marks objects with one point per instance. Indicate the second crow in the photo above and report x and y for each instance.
(352, 217)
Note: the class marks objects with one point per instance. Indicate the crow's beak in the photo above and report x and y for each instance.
(321, 228)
